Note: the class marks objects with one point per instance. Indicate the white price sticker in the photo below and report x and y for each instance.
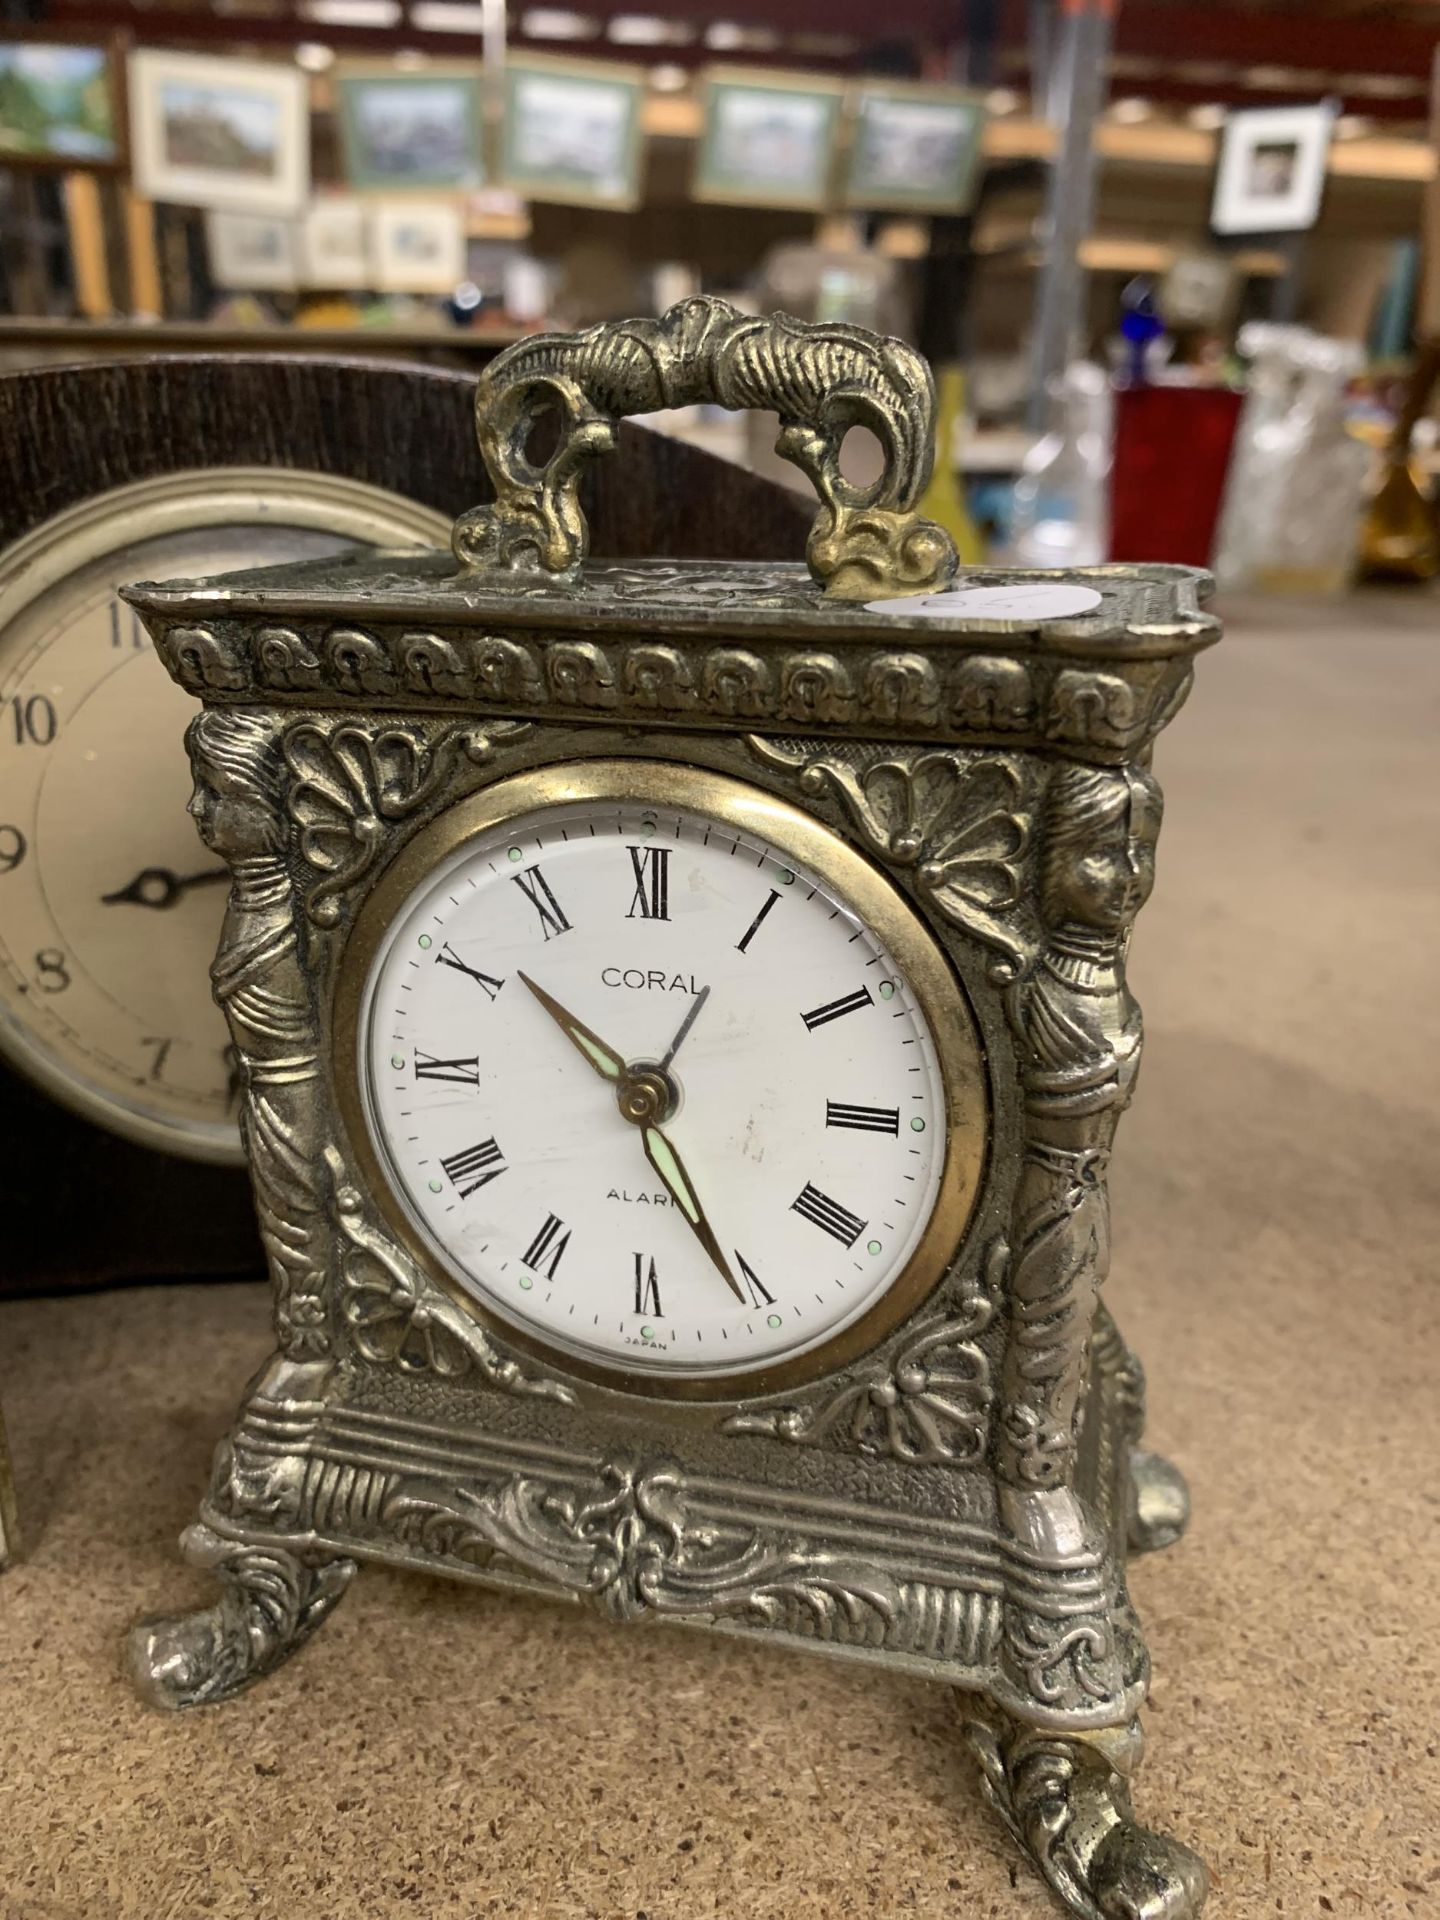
(1025, 600)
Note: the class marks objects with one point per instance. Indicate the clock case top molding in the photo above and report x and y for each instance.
(955, 1502)
(72, 435)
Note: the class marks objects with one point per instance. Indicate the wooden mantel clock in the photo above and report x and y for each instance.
(683, 1019)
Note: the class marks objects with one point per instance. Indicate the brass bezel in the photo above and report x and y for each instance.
(854, 878)
(186, 501)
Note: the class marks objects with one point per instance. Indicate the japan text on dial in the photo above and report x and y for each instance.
(109, 904)
(665, 1076)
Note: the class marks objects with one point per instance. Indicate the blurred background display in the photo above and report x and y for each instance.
(1072, 210)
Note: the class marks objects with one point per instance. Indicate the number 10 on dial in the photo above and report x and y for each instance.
(661, 1074)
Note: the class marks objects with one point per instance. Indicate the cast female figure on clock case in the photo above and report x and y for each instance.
(260, 985)
(1079, 1032)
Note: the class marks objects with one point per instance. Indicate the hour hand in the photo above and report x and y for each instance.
(671, 1169)
(606, 1062)
(160, 888)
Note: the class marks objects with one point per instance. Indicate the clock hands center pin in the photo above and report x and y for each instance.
(645, 1096)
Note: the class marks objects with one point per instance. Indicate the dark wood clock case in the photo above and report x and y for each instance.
(87, 1207)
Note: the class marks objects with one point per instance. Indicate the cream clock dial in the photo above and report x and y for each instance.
(661, 1093)
(110, 906)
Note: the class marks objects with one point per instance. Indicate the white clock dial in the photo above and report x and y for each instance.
(109, 905)
(652, 1090)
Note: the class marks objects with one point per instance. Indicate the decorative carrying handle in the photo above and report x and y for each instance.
(821, 378)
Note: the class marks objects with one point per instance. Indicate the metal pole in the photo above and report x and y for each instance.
(1078, 93)
(1285, 288)
(492, 29)
(1040, 25)
(949, 268)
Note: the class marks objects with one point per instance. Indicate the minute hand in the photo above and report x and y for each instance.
(671, 1169)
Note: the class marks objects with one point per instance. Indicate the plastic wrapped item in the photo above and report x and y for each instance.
(1062, 498)
(1292, 510)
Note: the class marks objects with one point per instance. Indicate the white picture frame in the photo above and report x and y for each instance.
(1271, 173)
(252, 252)
(417, 246)
(219, 133)
(335, 244)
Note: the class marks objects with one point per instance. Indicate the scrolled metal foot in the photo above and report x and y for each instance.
(1159, 1503)
(270, 1603)
(1066, 1801)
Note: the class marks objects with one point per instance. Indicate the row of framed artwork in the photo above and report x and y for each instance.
(224, 133)
(341, 242)
(235, 134)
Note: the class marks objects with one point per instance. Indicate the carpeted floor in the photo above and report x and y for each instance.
(445, 1753)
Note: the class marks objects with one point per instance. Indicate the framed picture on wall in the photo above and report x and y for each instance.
(572, 131)
(1271, 173)
(252, 252)
(424, 129)
(768, 139)
(1199, 289)
(334, 244)
(417, 246)
(60, 103)
(914, 148)
(207, 132)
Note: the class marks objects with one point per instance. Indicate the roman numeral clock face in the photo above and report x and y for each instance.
(665, 1076)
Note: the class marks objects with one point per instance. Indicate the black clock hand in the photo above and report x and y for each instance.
(685, 1026)
(158, 887)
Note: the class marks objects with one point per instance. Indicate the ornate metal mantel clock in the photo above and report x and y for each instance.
(684, 1022)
